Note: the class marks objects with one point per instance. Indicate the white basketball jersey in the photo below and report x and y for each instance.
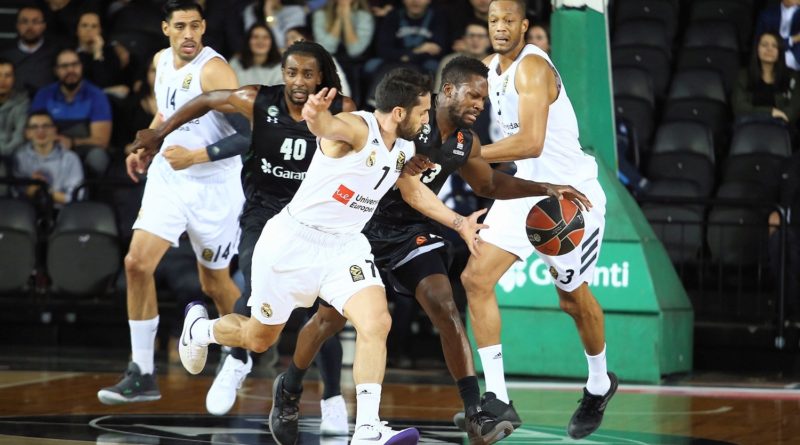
(339, 195)
(175, 87)
(562, 161)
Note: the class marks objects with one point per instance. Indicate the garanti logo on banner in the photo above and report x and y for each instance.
(616, 274)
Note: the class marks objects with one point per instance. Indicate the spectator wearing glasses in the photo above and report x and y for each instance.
(43, 158)
(31, 51)
(80, 110)
(476, 45)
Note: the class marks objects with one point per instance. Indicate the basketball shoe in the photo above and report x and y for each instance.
(284, 413)
(496, 407)
(222, 394)
(193, 355)
(483, 428)
(134, 387)
(589, 415)
(381, 434)
(334, 417)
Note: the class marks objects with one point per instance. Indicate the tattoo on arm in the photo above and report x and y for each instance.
(458, 221)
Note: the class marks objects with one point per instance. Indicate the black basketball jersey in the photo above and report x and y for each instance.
(280, 151)
(448, 155)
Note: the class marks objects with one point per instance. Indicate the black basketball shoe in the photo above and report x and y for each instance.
(496, 407)
(483, 428)
(589, 415)
(284, 413)
(134, 387)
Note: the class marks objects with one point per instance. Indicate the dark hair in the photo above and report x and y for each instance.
(780, 71)
(542, 25)
(29, 6)
(521, 4)
(460, 69)
(304, 31)
(246, 54)
(181, 5)
(39, 112)
(66, 50)
(330, 78)
(401, 87)
(4, 61)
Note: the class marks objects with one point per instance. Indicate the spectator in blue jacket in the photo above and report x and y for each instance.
(782, 19)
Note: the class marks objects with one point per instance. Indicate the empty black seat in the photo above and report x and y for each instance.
(83, 253)
(737, 235)
(665, 11)
(738, 13)
(17, 243)
(716, 34)
(634, 101)
(757, 155)
(653, 60)
(699, 96)
(642, 33)
(679, 228)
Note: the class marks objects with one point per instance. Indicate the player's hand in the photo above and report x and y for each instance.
(179, 157)
(417, 164)
(136, 164)
(569, 193)
(468, 228)
(148, 140)
(318, 103)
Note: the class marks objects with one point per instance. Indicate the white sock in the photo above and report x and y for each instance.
(598, 382)
(492, 361)
(202, 331)
(368, 400)
(143, 338)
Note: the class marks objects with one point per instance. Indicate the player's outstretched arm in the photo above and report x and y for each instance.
(536, 85)
(490, 183)
(344, 127)
(420, 197)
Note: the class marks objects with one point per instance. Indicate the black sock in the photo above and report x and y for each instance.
(241, 308)
(329, 363)
(293, 379)
(469, 391)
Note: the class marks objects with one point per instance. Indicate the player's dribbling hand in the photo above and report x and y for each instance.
(147, 140)
(569, 193)
(468, 229)
(136, 164)
(417, 164)
(318, 103)
(179, 157)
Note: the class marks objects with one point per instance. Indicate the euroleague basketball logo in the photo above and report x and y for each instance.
(554, 227)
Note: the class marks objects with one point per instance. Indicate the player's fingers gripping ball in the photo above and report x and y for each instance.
(554, 226)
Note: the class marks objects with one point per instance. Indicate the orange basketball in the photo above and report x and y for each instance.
(554, 226)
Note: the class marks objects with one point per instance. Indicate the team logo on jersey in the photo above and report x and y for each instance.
(553, 272)
(272, 110)
(343, 194)
(266, 310)
(187, 81)
(460, 137)
(371, 159)
(426, 129)
(375, 142)
(460, 145)
(421, 239)
(207, 254)
(356, 273)
(401, 161)
(505, 85)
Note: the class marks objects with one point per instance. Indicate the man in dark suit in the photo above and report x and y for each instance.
(783, 19)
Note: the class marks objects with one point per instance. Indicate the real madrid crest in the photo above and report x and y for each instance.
(401, 161)
(356, 273)
(187, 81)
(371, 159)
(207, 254)
(505, 85)
(266, 310)
(272, 111)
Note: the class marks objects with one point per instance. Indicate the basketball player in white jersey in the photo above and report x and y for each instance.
(530, 104)
(314, 246)
(204, 200)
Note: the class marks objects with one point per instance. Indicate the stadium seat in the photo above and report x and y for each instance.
(679, 227)
(761, 137)
(716, 34)
(665, 11)
(699, 96)
(83, 253)
(757, 155)
(714, 46)
(17, 243)
(634, 100)
(737, 12)
(737, 236)
(682, 152)
(653, 60)
(690, 137)
(642, 33)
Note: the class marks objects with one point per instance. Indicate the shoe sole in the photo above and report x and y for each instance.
(408, 436)
(611, 392)
(197, 369)
(334, 433)
(113, 398)
(460, 421)
(501, 431)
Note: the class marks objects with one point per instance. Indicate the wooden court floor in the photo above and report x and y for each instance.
(58, 407)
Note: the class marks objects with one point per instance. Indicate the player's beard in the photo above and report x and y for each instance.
(458, 119)
(406, 131)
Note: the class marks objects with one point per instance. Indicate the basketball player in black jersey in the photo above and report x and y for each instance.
(274, 166)
(411, 250)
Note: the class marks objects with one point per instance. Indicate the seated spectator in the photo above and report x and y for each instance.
(344, 27)
(539, 34)
(414, 34)
(782, 19)
(32, 52)
(476, 45)
(259, 62)
(461, 14)
(766, 89)
(302, 33)
(13, 113)
(277, 16)
(101, 64)
(62, 15)
(789, 200)
(43, 158)
(80, 110)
